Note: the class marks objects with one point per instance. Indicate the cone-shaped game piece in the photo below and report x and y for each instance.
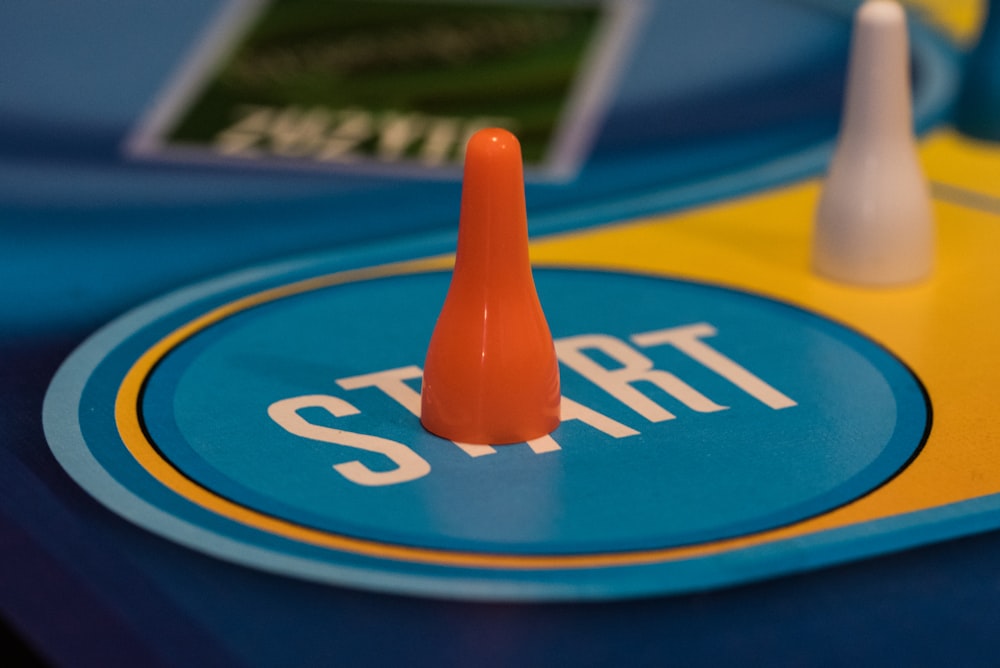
(874, 224)
(978, 112)
(491, 374)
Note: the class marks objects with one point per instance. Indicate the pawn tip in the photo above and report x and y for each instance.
(881, 13)
(490, 142)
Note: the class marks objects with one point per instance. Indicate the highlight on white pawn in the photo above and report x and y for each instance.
(874, 225)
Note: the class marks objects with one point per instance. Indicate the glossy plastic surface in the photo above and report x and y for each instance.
(491, 374)
(874, 224)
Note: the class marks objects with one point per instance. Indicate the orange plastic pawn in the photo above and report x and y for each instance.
(491, 374)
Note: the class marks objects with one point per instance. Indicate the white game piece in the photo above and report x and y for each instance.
(874, 224)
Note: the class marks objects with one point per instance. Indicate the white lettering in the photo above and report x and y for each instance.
(441, 141)
(399, 131)
(409, 465)
(543, 444)
(393, 384)
(297, 133)
(240, 138)
(610, 363)
(344, 135)
(572, 410)
(635, 368)
(687, 339)
(356, 126)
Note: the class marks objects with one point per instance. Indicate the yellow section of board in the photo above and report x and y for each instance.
(960, 19)
(944, 329)
(959, 164)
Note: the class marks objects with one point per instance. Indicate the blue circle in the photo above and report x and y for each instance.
(732, 460)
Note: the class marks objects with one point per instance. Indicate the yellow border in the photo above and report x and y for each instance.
(147, 455)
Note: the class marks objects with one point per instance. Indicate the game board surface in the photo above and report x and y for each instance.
(211, 358)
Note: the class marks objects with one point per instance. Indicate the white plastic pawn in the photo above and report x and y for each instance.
(874, 224)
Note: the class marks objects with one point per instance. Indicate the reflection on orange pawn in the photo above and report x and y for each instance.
(491, 375)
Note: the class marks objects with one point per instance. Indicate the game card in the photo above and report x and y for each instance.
(390, 85)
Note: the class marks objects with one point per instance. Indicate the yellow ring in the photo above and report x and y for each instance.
(148, 456)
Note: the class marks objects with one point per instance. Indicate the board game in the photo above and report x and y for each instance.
(228, 231)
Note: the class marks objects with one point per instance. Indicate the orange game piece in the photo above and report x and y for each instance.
(491, 375)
